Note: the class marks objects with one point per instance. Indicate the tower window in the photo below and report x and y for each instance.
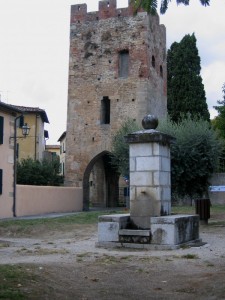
(161, 71)
(153, 61)
(123, 63)
(105, 110)
(1, 179)
(1, 129)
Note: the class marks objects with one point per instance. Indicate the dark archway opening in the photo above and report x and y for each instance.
(100, 183)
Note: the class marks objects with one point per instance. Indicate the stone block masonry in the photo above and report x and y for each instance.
(166, 232)
(150, 182)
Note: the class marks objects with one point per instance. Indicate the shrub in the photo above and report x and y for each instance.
(120, 149)
(194, 156)
(34, 172)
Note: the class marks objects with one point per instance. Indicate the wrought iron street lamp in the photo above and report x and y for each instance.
(25, 132)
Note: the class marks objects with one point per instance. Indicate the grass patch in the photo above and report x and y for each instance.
(27, 227)
(190, 256)
(4, 244)
(12, 280)
(217, 223)
(82, 256)
(42, 251)
(215, 209)
(110, 259)
(24, 226)
(183, 209)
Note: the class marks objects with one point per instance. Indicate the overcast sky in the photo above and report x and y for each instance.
(34, 51)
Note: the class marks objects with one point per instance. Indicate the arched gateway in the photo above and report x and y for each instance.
(100, 183)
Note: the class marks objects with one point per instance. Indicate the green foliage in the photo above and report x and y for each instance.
(219, 121)
(151, 5)
(34, 172)
(148, 5)
(120, 149)
(186, 94)
(194, 156)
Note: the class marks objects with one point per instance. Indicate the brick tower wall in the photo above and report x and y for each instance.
(97, 40)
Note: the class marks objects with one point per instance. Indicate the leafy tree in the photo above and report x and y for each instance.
(186, 94)
(120, 149)
(151, 5)
(34, 172)
(218, 124)
(194, 156)
(219, 121)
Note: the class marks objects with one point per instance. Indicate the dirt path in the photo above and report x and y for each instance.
(69, 266)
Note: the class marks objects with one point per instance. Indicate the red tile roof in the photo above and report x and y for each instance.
(27, 109)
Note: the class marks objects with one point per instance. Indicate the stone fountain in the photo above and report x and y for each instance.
(150, 224)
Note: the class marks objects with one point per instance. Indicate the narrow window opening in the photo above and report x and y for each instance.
(108, 4)
(161, 71)
(105, 110)
(153, 61)
(123, 63)
(1, 129)
(1, 179)
(79, 7)
(17, 150)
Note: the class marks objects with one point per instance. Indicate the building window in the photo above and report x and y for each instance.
(17, 150)
(63, 169)
(1, 129)
(161, 71)
(1, 178)
(123, 63)
(153, 61)
(105, 110)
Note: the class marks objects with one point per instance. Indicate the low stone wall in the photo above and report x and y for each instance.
(34, 200)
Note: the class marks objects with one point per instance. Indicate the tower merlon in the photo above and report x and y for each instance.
(107, 9)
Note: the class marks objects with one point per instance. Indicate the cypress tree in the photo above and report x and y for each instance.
(186, 94)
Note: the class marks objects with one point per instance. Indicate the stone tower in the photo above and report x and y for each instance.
(117, 70)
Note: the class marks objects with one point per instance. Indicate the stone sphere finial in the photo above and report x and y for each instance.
(150, 122)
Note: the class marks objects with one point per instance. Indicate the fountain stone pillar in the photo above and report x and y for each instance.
(150, 173)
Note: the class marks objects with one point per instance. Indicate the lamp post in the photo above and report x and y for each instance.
(25, 132)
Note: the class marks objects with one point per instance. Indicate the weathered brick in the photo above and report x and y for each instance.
(96, 40)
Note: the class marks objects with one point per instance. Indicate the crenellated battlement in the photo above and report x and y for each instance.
(107, 9)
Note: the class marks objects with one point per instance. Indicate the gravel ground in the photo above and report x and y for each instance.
(69, 266)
